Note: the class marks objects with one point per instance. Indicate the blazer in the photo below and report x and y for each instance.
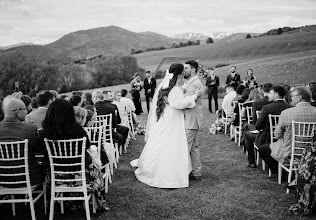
(104, 109)
(12, 129)
(257, 106)
(193, 117)
(212, 88)
(274, 108)
(302, 112)
(235, 79)
(151, 86)
(37, 117)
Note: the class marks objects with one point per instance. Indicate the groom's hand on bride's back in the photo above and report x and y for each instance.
(200, 91)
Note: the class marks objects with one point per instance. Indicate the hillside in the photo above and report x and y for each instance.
(83, 44)
(236, 51)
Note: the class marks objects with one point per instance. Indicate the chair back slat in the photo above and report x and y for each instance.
(273, 122)
(67, 163)
(95, 135)
(302, 136)
(258, 113)
(249, 110)
(14, 164)
(130, 117)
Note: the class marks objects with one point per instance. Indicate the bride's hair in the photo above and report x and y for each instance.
(176, 69)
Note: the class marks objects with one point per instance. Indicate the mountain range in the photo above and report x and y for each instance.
(111, 40)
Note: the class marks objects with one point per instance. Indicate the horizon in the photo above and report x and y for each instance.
(43, 22)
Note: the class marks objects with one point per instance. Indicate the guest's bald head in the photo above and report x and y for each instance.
(13, 107)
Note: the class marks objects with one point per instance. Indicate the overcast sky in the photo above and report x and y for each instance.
(44, 21)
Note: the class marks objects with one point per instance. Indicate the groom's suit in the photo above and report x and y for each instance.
(193, 118)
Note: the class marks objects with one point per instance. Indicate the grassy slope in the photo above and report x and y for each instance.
(228, 189)
(236, 51)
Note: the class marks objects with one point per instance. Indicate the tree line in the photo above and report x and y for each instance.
(32, 75)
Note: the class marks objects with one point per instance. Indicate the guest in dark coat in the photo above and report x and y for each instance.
(276, 97)
(12, 129)
(136, 87)
(233, 77)
(257, 105)
(149, 87)
(212, 82)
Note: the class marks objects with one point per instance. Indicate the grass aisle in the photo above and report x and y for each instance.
(228, 189)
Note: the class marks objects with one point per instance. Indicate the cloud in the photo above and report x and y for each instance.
(42, 22)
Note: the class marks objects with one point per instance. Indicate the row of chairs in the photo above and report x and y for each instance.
(302, 134)
(100, 135)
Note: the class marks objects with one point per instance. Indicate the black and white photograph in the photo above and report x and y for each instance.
(146, 109)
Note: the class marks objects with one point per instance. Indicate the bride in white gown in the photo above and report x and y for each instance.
(165, 160)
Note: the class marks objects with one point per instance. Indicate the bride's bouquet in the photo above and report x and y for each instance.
(218, 126)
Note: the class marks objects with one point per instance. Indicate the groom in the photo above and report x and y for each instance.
(193, 117)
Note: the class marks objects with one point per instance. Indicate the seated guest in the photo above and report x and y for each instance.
(277, 98)
(43, 100)
(64, 97)
(227, 104)
(12, 129)
(312, 88)
(80, 115)
(239, 89)
(120, 128)
(257, 105)
(122, 108)
(60, 124)
(55, 93)
(243, 98)
(27, 101)
(75, 100)
(306, 184)
(129, 103)
(252, 97)
(88, 99)
(91, 116)
(104, 109)
(34, 104)
(302, 112)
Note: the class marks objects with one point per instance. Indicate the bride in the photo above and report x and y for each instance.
(165, 161)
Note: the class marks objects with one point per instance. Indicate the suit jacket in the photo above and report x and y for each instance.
(274, 108)
(257, 106)
(105, 109)
(212, 88)
(37, 117)
(302, 112)
(12, 129)
(151, 86)
(193, 117)
(235, 79)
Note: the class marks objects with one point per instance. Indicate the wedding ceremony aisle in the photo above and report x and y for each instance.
(228, 188)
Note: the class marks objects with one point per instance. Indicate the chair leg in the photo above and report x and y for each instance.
(279, 173)
(51, 209)
(239, 137)
(269, 172)
(13, 206)
(289, 180)
(93, 203)
(62, 204)
(263, 165)
(32, 209)
(87, 208)
(106, 183)
(45, 198)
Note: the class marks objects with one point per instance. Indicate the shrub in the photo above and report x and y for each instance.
(221, 65)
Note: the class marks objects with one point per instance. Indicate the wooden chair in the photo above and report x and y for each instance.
(302, 135)
(16, 152)
(130, 120)
(238, 129)
(249, 111)
(106, 122)
(95, 137)
(228, 118)
(67, 164)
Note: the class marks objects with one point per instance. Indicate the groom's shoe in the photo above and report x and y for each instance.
(192, 177)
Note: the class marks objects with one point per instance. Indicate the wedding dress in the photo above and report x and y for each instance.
(165, 160)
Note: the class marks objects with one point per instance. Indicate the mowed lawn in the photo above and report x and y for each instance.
(227, 190)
